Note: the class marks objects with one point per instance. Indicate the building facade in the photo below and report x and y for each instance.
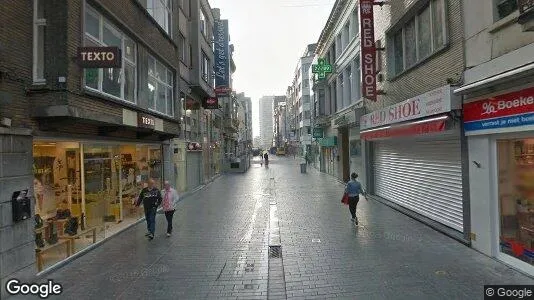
(338, 95)
(266, 121)
(89, 133)
(498, 104)
(413, 145)
(281, 136)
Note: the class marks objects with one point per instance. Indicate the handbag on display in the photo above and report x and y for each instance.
(345, 199)
(71, 227)
(62, 214)
(39, 242)
(52, 237)
(38, 221)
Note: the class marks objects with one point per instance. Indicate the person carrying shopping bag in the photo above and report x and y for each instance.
(170, 203)
(353, 191)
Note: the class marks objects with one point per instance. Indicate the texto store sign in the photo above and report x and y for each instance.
(368, 50)
(431, 103)
(99, 57)
(508, 110)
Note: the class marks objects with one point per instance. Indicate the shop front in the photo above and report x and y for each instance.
(328, 146)
(85, 191)
(500, 132)
(413, 159)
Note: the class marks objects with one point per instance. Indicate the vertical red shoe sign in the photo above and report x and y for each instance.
(368, 50)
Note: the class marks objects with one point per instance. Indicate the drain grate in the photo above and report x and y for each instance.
(275, 252)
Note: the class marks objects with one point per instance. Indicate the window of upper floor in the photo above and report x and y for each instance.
(161, 11)
(160, 87)
(503, 8)
(419, 38)
(39, 25)
(120, 83)
(205, 68)
(203, 23)
(182, 49)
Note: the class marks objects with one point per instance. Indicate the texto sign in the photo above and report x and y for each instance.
(99, 57)
(368, 50)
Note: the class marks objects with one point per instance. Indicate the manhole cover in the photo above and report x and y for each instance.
(316, 240)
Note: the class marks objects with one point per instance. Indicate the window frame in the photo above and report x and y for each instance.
(495, 4)
(37, 24)
(104, 22)
(182, 45)
(168, 86)
(390, 38)
(203, 22)
(168, 13)
(205, 74)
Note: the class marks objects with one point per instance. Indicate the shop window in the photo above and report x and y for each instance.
(516, 197)
(85, 193)
(120, 83)
(505, 8)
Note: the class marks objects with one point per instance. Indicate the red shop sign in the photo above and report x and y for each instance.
(368, 50)
(510, 104)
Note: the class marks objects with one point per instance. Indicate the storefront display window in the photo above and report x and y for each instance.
(516, 197)
(86, 191)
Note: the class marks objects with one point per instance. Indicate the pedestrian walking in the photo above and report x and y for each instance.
(170, 203)
(150, 196)
(353, 190)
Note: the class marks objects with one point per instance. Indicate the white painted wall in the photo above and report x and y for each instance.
(480, 180)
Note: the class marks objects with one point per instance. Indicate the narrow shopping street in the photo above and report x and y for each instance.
(222, 234)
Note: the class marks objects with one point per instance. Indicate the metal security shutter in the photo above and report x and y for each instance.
(423, 176)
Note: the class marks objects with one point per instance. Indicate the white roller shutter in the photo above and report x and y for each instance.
(423, 176)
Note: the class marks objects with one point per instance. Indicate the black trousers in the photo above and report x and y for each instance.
(353, 203)
(168, 216)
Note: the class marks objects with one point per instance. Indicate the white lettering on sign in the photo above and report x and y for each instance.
(368, 51)
(148, 121)
(98, 56)
(515, 103)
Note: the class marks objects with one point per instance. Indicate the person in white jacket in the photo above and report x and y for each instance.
(170, 203)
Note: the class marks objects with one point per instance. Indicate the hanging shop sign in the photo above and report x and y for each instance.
(193, 146)
(321, 68)
(192, 104)
(438, 101)
(368, 50)
(318, 133)
(99, 57)
(495, 113)
(210, 103)
(222, 90)
(222, 53)
(146, 121)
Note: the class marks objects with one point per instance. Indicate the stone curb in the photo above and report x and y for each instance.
(81, 253)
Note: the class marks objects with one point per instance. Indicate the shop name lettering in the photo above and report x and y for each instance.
(489, 108)
(148, 121)
(97, 56)
(512, 121)
(401, 111)
(221, 45)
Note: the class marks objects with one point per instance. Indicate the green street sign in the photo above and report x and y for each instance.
(317, 133)
(321, 68)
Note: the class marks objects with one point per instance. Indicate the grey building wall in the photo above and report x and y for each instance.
(427, 75)
(17, 244)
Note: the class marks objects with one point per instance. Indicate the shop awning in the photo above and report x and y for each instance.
(431, 125)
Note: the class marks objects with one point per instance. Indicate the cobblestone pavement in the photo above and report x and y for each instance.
(222, 235)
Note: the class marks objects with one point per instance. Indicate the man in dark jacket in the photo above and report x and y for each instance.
(151, 199)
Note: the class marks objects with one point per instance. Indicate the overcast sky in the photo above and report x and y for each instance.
(269, 36)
